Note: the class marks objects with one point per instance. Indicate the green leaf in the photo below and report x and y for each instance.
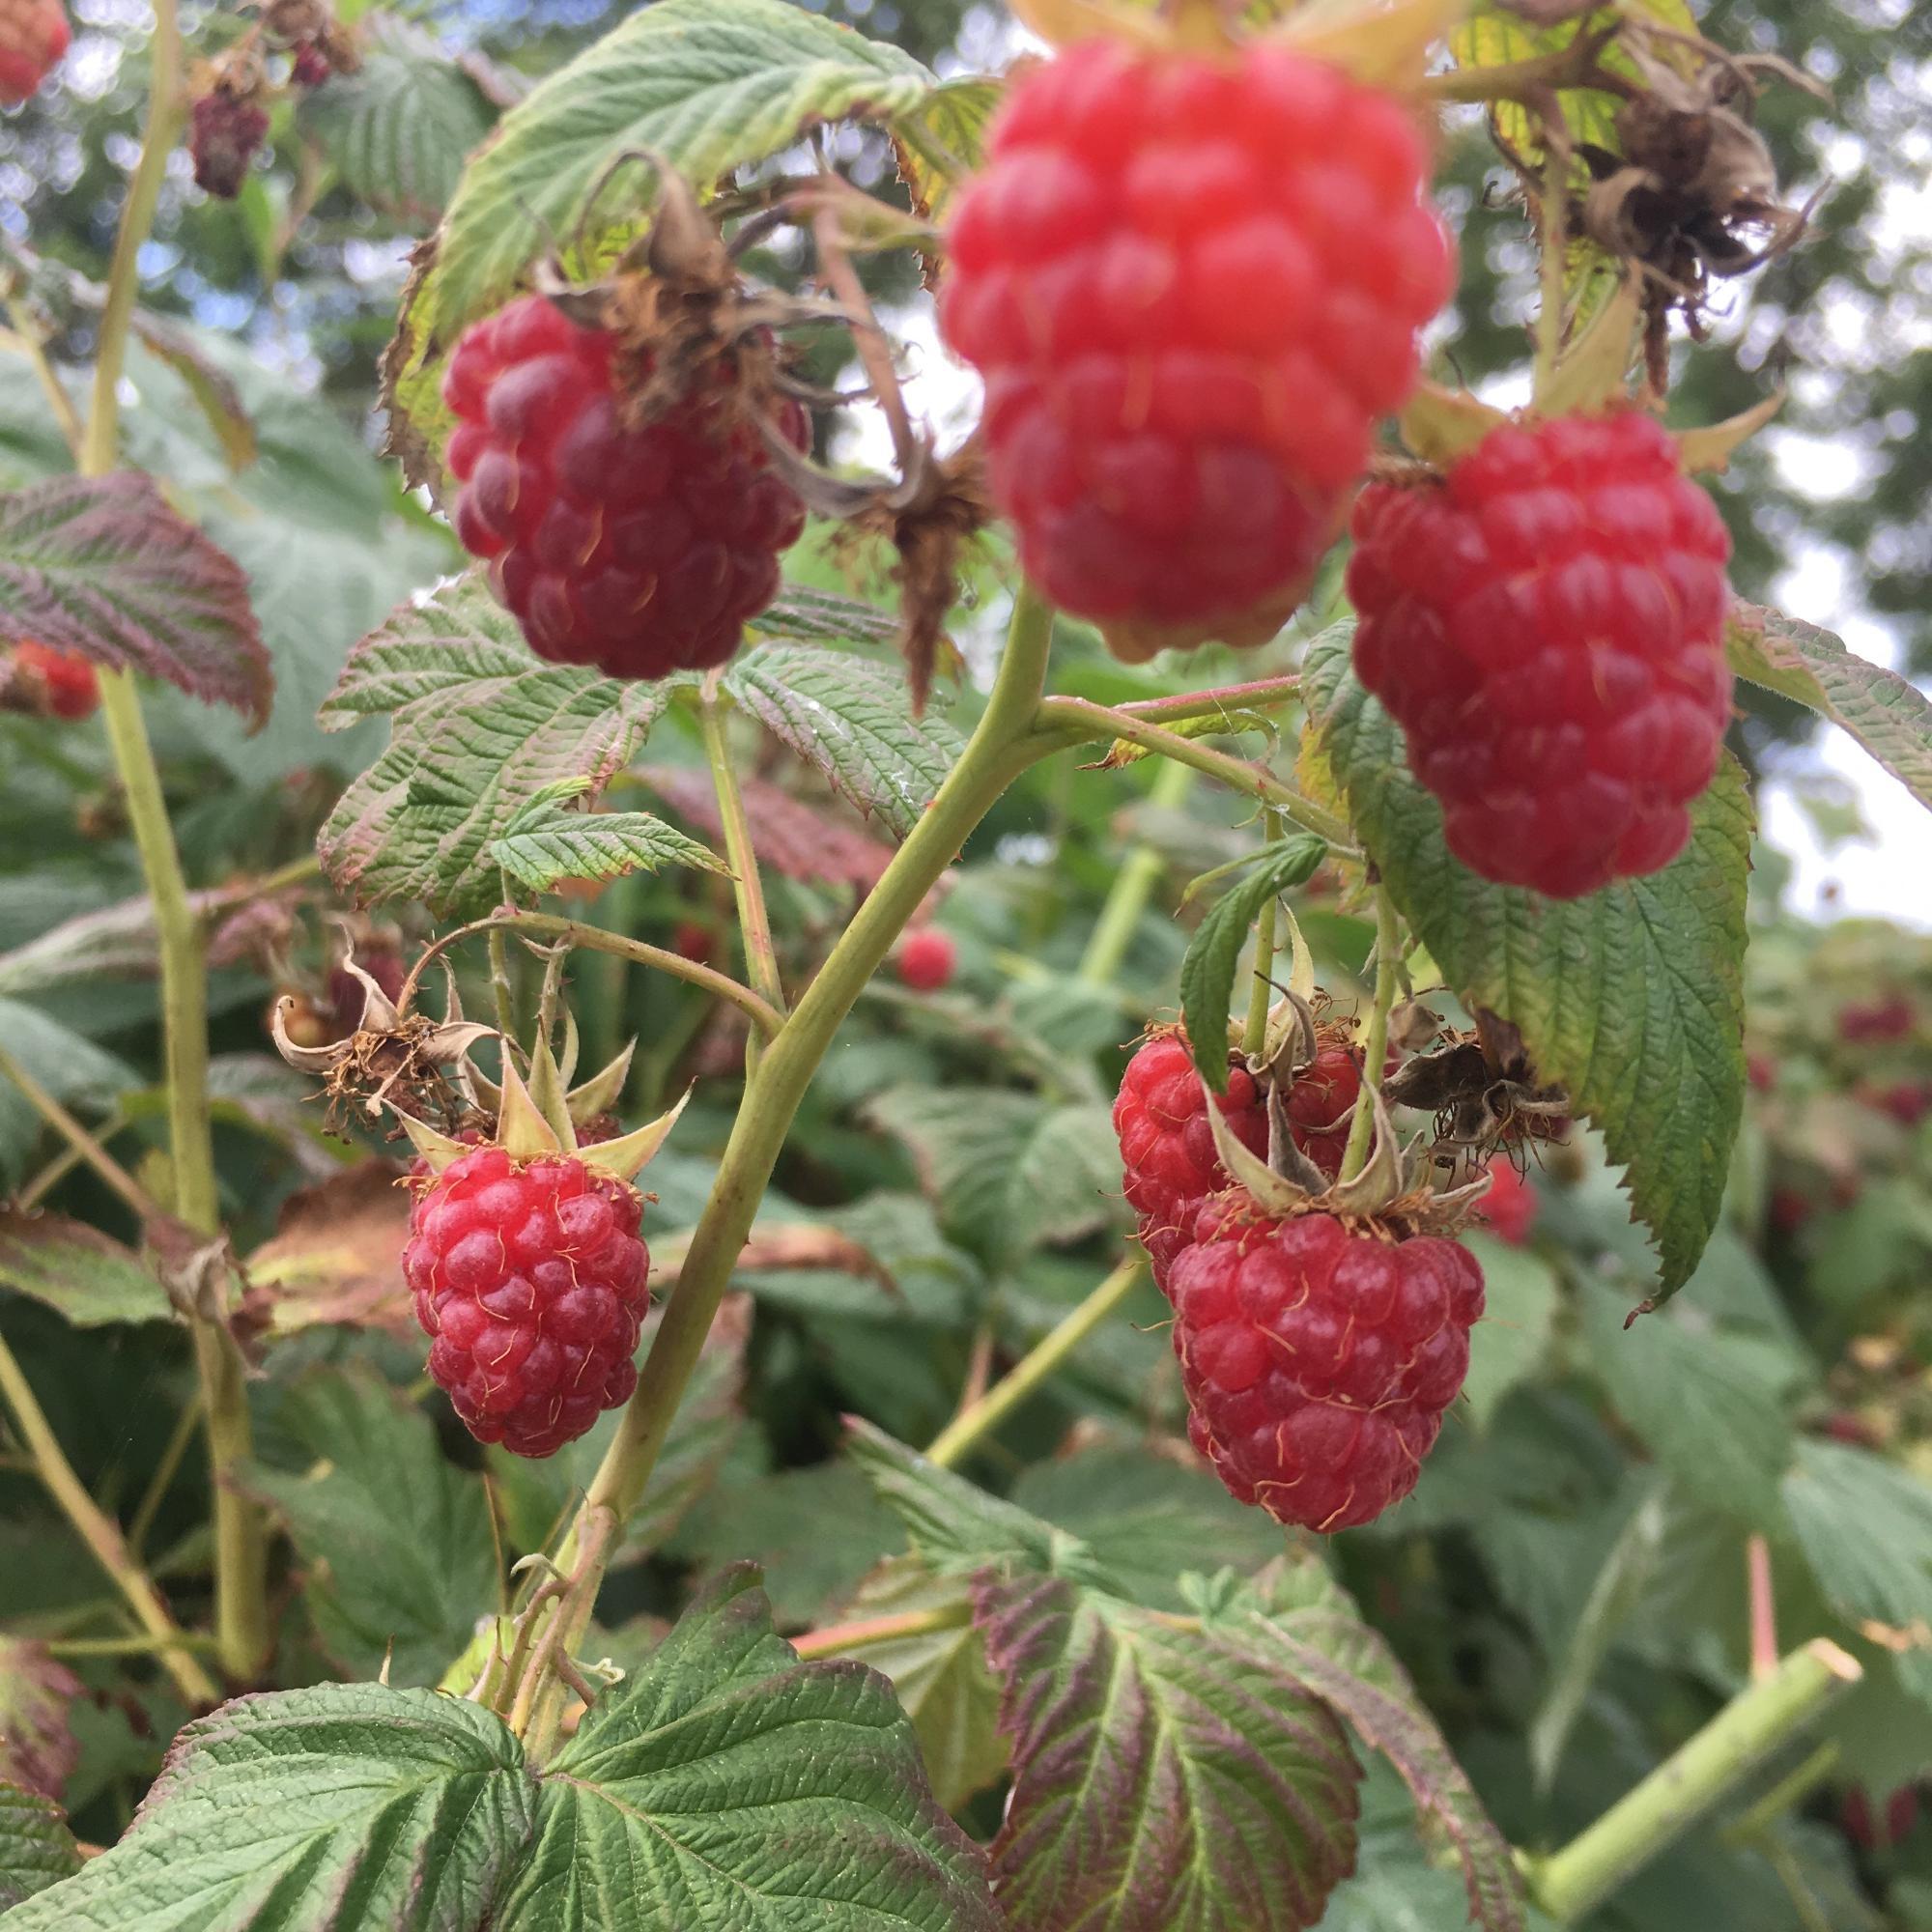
(943, 140)
(1888, 716)
(1164, 1779)
(1698, 1401)
(479, 727)
(103, 566)
(69, 1065)
(546, 843)
(393, 1538)
(801, 614)
(87, 1277)
(850, 720)
(350, 1807)
(399, 128)
(1509, 1344)
(38, 1751)
(1207, 973)
(36, 1849)
(728, 1784)
(1865, 1528)
(1011, 1171)
(1631, 998)
(709, 85)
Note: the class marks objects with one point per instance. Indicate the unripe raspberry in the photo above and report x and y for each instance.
(33, 38)
(1509, 1208)
(224, 130)
(1546, 626)
(62, 683)
(1318, 1359)
(641, 551)
(1192, 286)
(531, 1278)
(926, 958)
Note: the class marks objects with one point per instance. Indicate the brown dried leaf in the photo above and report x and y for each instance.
(38, 1751)
(335, 1257)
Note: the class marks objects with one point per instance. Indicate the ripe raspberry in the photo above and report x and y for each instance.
(530, 1277)
(1546, 626)
(1907, 1101)
(63, 683)
(1192, 286)
(1317, 1361)
(33, 38)
(1876, 1022)
(1167, 1147)
(1322, 1105)
(224, 130)
(640, 551)
(926, 958)
(1509, 1208)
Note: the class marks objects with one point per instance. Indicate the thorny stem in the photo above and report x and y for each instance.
(240, 1561)
(1133, 885)
(103, 1537)
(502, 995)
(836, 1638)
(1375, 1042)
(1253, 1036)
(85, 1147)
(761, 959)
(950, 1446)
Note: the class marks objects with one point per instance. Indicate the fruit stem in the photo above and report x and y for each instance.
(502, 995)
(1570, 1882)
(240, 1563)
(1133, 885)
(1253, 1036)
(1375, 1041)
(101, 1534)
(950, 1446)
(133, 1195)
(836, 1638)
(761, 958)
(1258, 695)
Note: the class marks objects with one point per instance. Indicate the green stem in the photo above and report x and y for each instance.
(502, 994)
(84, 1146)
(1260, 695)
(185, 1425)
(100, 1532)
(761, 958)
(1133, 885)
(1253, 1036)
(1375, 1042)
(242, 1612)
(1570, 1882)
(1786, 1795)
(1552, 267)
(143, 1645)
(949, 1447)
(838, 1638)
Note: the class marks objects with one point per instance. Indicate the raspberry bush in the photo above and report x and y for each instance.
(988, 1133)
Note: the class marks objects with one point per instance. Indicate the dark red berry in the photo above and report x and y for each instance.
(529, 1276)
(33, 38)
(224, 130)
(1509, 1208)
(1907, 1101)
(1321, 1106)
(1761, 1070)
(1873, 1830)
(1192, 286)
(1546, 626)
(926, 958)
(693, 942)
(1876, 1022)
(61, 683)
(1789, 1209)
(347, 994)
(642, 551)
(311, 66)
(1317, 1360)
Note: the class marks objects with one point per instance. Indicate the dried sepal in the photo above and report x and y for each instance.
(1272, 1192)
(1711, 448)
(626, 1157)
(1441, 424)
(1594, 371)
(600, 1093)
(437, 1150)
(1384, 1176)
(1284, 1154)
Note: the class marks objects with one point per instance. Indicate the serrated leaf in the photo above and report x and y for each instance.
(1890, 717)
(1630, 998)
(36, 1849)
(478, 728)
(1011, 1171)
(727, 1783)
(400, 127)
(801, 614)
(211, 387)
(791, 836)
(851, 720)
(102, 565)
(86, 1277)
(38, 1750)
(1164, 1779)
(348, 1806)
(943, 140)
(546, 844)
(1207, 973)
(394, 1538)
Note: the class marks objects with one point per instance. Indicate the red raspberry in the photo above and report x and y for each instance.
(530, 1277)
(224, 130)
(1907, 1101)
(926, 958)
(33, 38)
(1510, 1205)
(311, 66)
(1167, 1147)
(1192, 286)
(693, 942)
(1876, 1022)
(640, 551)
(1317, 1361)
(1321, 1106)
(63, 682)
(1546, 626)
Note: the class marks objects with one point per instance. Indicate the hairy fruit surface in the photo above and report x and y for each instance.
(1318, 1359)
(529, 1277)
(1192, 286)
(33, 38)
(641, 549)
(1546, 626)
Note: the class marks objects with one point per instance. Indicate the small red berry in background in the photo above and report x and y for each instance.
(1509, 1208)
(1789, 1209)
(1318, 1359)
(225, 128)
(1192, 286)
(927, 957)
(693, 942)
(1873, 1831)
(311, 66)
(1761, 1070)
(33, 38)
(1321, 1106)
(62, 683)
(640, 551)
(1907, 1101)
(530, 1277)
(1546, 626)
(1876, 1022)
